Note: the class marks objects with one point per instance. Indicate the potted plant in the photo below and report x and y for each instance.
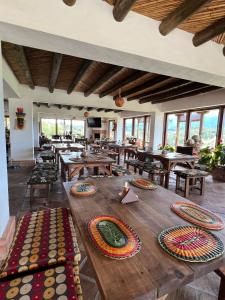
(167, 148)
(218, 163)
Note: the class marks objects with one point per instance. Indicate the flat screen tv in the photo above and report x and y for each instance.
(94, 122)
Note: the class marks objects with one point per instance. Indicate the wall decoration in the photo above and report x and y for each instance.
(20, 116)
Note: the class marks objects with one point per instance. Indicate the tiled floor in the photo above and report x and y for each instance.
(205, 288)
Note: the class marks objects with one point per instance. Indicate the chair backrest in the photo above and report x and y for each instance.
(56, 136)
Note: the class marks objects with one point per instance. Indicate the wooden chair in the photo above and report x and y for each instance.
(193, 179)
(221, 273)
(129, 153)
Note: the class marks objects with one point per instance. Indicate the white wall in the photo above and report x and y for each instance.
(4, 201)
(21, 140)
(89, 30)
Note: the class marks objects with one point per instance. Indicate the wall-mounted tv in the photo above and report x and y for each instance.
(94, 122)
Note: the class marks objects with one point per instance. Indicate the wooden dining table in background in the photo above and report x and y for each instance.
(73, 164)
(152, 273)
(120, 149)
(66, 146)
(170, 160)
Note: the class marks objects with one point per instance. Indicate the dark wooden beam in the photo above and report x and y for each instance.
(131, 78)
(100, 109)
(103, 79)
(80, 108)
(69, 2)
(56, 63)
(78, 76)
(117, 111)
(224, 51)
(122, 8)
(209, 32)
(175, 92)
(166, 88)
(108, 110)
(69, 107)
(176, 17)
(90, 108)
(152, 83)
(22, 61)
(203, 90)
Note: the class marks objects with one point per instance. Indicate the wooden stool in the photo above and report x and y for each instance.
(39, 187)
(193, 179)
(157, 173)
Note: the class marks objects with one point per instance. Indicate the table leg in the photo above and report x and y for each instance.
(166, 166)
(202, 189)
(187, 187)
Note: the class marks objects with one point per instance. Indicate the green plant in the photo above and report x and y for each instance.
(206, 157)
(218, 158)
(167, 148)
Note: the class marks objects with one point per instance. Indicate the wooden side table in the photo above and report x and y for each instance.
(193, 179)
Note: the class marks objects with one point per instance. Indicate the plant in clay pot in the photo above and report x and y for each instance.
(218, 163)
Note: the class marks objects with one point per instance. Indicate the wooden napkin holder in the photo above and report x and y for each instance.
(129, 197)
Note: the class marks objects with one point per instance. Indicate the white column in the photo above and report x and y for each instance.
(21, 140)
(119, 131)
(36, 126)
(157, 122)
(4, 199)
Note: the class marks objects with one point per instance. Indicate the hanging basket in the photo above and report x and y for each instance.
(119, 101)
(86, 114)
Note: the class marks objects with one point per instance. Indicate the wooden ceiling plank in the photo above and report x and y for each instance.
(203, 90)
(90, 108)
(150, 83)
(78, 76)
(179, 15)
(56, 64)
(112, 72)
(100, 109)
(69, 2)
(224, 51)
(209, 32)
(80, 108)
(129, 79)
(175, 92)
(22, 61)
(122, 8)
(159, 90)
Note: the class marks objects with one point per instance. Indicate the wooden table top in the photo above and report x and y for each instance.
(172, 156)
(151, 273)
(91, 158)
(66, 146)
(123, 146)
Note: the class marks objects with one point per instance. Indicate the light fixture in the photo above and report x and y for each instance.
(119, 101)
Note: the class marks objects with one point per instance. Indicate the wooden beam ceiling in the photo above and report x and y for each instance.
(56, 63)
(131, 78)
(166, 88)
(179, 15)
(175, 92)
(200, 91)
(122, 8)
(102, 80)
(22, 61)
(69, 2)
(79, 75)
(209, 32)
(150, 84)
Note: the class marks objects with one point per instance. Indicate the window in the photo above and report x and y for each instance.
(51, 127)
(176, 128)
(139, 128)
(204, 124)
(48, 127)
(111, 131)
(78, 128)
(128, 132)
(6, 123)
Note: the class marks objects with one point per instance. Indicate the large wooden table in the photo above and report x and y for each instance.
(170, 160)
(151, 273)
(120, 149)
(66, 146)
(73, 168)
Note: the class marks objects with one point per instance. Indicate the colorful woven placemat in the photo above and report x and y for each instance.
(83, 189)
(190, 243)
(198, 215)
(113, 237)
(143, 184)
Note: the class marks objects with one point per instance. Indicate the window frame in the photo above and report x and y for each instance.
(188, 121)
(133, 126)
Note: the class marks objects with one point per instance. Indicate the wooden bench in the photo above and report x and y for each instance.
(221, 273)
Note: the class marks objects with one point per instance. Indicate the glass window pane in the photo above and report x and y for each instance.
(195, 124)
(67, 127)
(111, 132)
(60, 127)
(223, 129)
(176, 128)
(147, 131)
(128, 128)
(139, 130)
(209, 127)
(78, 128)
(48, 127)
